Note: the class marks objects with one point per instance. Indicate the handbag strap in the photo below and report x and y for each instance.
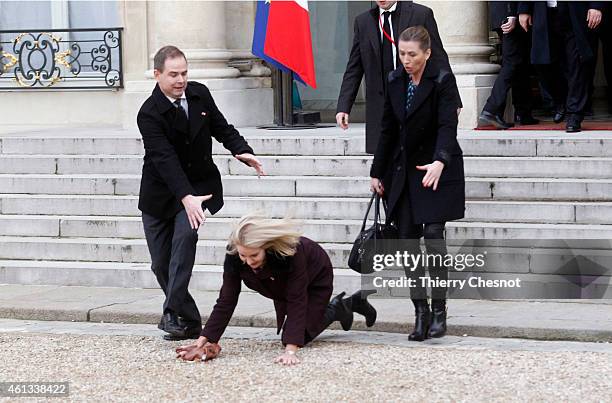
(365, 219)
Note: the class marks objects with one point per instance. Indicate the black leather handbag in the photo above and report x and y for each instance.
(366, 245)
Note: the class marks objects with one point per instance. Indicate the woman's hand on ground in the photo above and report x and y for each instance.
(287, 359)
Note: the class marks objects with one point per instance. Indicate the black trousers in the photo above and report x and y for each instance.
(435, 244)
(566, 78)
(172, 245)
(514, 74)
(603, 33)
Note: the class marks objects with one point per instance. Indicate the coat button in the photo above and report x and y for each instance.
(187, 142)
(206, 158)
(189, 165)
(401, 148)
(399, 168)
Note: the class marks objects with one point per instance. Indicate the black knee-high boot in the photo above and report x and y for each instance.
(438, 318)
(422, 319)
(358, 302)
(337, 310)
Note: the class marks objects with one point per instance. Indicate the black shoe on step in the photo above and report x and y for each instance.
(488, 118)
(559, 116)
(525, 120)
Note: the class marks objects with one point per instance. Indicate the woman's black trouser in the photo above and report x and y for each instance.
(435, 247)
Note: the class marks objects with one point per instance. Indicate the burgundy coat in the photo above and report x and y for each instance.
(300, 287)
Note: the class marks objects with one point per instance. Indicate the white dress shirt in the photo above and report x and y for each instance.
(382, 36)
(184, 103)
(551, 4)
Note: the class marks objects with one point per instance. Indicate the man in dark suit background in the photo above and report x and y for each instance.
(514, 71)
(180, 180)
(374, 54)
(560, 42)
(602, 33)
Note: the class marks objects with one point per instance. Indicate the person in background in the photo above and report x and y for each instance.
(562, 53)
(514, 73)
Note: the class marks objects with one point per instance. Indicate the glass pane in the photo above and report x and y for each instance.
(332, 36)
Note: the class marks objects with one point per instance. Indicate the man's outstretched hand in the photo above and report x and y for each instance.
(251, 161)
(193, 208)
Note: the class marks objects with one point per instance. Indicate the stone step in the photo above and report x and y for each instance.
(310, 208)
(288, 186)
(336, 231)
(330, 141)
(539, 167)
(320, 165)
(525, 256)
(209, 252)
(125, 275)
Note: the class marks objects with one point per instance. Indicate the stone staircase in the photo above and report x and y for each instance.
(68, 201)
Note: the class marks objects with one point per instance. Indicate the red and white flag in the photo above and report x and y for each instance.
(288, 38)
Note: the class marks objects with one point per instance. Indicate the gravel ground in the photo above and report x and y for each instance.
(138, 368)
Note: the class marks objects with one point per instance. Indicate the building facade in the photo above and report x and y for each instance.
(216, 37)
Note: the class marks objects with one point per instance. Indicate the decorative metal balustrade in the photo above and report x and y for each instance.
(61, 59)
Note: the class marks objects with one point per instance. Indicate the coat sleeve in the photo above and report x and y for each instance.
(447, 121)
(352, 76)
(226, 304)
(389, 133)
(525, 7)
(222, 131)
(512, 8)
(297, 300)
(163, 155)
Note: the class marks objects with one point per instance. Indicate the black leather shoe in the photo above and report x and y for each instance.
(525, 120)
(487, 118)
(190, 333)
(573, 126)
(358, 302)
(170, 324)
(438, 319)
(559, 116)
(342, 312)
(422, 320)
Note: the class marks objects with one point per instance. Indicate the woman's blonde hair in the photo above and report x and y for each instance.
(280, 236)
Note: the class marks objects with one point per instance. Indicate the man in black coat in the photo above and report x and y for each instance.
(560, 41)
(514, 71)
(374, 54)
(180, 180)
(602, 33)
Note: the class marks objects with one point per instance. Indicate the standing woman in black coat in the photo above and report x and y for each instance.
(418, 166)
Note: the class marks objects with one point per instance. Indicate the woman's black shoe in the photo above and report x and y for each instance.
(438, 319)
(342, 313)
(358, 302)
(422, 318)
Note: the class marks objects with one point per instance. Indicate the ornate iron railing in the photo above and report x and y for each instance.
(61, 58)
